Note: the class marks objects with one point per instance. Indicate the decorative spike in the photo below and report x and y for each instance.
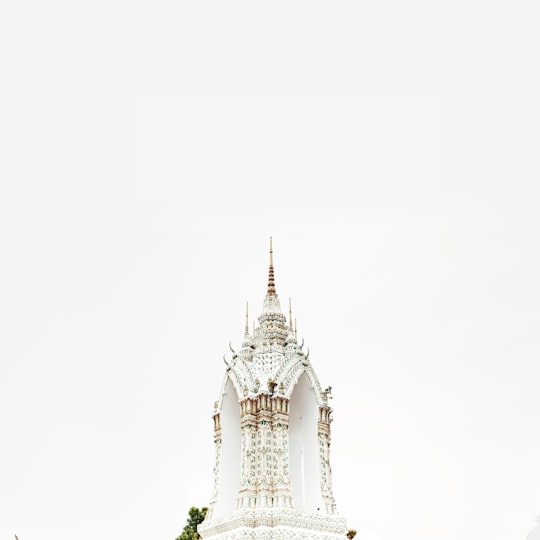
(271, 282)
(295, 330)
(246, 329)
(290, 315)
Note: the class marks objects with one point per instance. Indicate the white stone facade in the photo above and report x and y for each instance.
(272, 475)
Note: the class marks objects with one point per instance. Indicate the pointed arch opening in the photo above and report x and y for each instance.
(230, 453)
(304, 448)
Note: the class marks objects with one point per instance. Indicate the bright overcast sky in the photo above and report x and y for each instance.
(148, 151)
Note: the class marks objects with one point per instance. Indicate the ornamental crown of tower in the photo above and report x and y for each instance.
(272, 475)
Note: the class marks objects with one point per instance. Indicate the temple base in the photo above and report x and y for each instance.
(274, 524)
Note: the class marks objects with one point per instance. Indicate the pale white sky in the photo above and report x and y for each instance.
(150, 149)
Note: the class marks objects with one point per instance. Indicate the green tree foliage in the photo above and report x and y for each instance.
(195, 516)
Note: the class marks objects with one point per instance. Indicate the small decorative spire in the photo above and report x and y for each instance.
(295, 330)
(246, 329)
(290, 315)
(271, 282)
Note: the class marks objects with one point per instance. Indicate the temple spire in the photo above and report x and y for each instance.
(290, 315)
(271, 300)
(246, 329)
(271, 282)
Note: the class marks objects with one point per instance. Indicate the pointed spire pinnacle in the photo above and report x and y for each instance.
(290, 315)
(271, 282)
(295, 330)
(246, 329)
(271, 300)
(272, 329)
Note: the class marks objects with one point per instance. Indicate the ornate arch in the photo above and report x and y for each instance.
(294, 373)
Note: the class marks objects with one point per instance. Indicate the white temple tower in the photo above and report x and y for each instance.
(272, 476)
